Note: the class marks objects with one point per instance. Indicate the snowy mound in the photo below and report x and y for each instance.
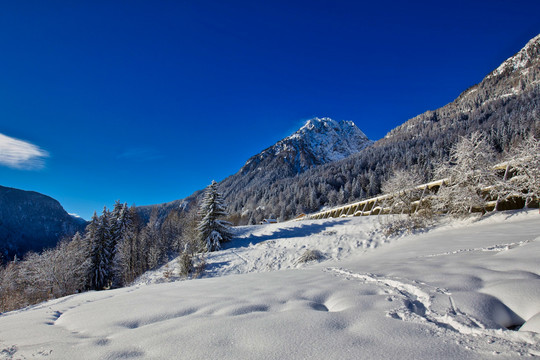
(465, 290)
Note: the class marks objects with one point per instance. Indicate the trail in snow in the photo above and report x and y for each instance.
(418, 307)
(494, 248)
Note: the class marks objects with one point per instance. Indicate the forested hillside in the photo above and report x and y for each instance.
(505, 106)
(319, 141)
(30, 221)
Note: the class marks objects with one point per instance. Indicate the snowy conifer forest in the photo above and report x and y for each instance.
(443, 275)
(504, 107)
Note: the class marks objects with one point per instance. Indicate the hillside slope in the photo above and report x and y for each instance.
(30, 221)
(320, 141)
(450, 293)
(518, 75)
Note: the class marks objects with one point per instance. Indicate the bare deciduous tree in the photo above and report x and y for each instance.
(524, 163)
(468, 172)
(402, 191)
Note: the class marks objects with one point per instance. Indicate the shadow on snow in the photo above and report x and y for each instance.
(282, 233)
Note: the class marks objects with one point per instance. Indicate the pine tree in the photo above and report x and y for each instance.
(117, 217)
(100, 253)
(123, 234)
(89, 239)
(212, 230)
(154, 253)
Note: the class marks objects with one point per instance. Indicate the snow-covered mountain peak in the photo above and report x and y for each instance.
(327, 125)
(330, 140)
(319, 141)
(317, 124)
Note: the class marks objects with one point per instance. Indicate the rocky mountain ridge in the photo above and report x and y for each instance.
(319, 141)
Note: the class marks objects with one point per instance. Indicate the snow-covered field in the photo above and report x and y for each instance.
(461, 291)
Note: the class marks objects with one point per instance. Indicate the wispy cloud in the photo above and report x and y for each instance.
(139, 154)
(19, 154)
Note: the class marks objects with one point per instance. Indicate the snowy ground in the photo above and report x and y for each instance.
(451, 292)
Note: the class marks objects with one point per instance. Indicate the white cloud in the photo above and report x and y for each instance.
(20, 154)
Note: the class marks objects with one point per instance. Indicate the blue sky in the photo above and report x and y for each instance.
(148, 101)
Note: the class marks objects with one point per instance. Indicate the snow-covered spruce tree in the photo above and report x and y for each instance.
(100, 252)
(468, 171)
(124, 232)
(212, 230)
(89, 238)
(155, 253)
(127, 264)
(189, 241)
(171, 230)
(119, 221)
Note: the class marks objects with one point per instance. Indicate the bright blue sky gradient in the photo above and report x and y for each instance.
(148, 101)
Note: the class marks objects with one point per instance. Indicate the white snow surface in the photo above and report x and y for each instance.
(448, 293)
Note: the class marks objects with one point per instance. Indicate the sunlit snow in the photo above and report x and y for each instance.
(465, 290)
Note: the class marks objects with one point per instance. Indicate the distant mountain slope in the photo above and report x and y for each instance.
(505, 106)
(164, 209)
(315, 167)
(319, 141)
(32, 221)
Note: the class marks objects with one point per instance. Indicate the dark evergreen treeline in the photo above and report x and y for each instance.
(115, 249)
